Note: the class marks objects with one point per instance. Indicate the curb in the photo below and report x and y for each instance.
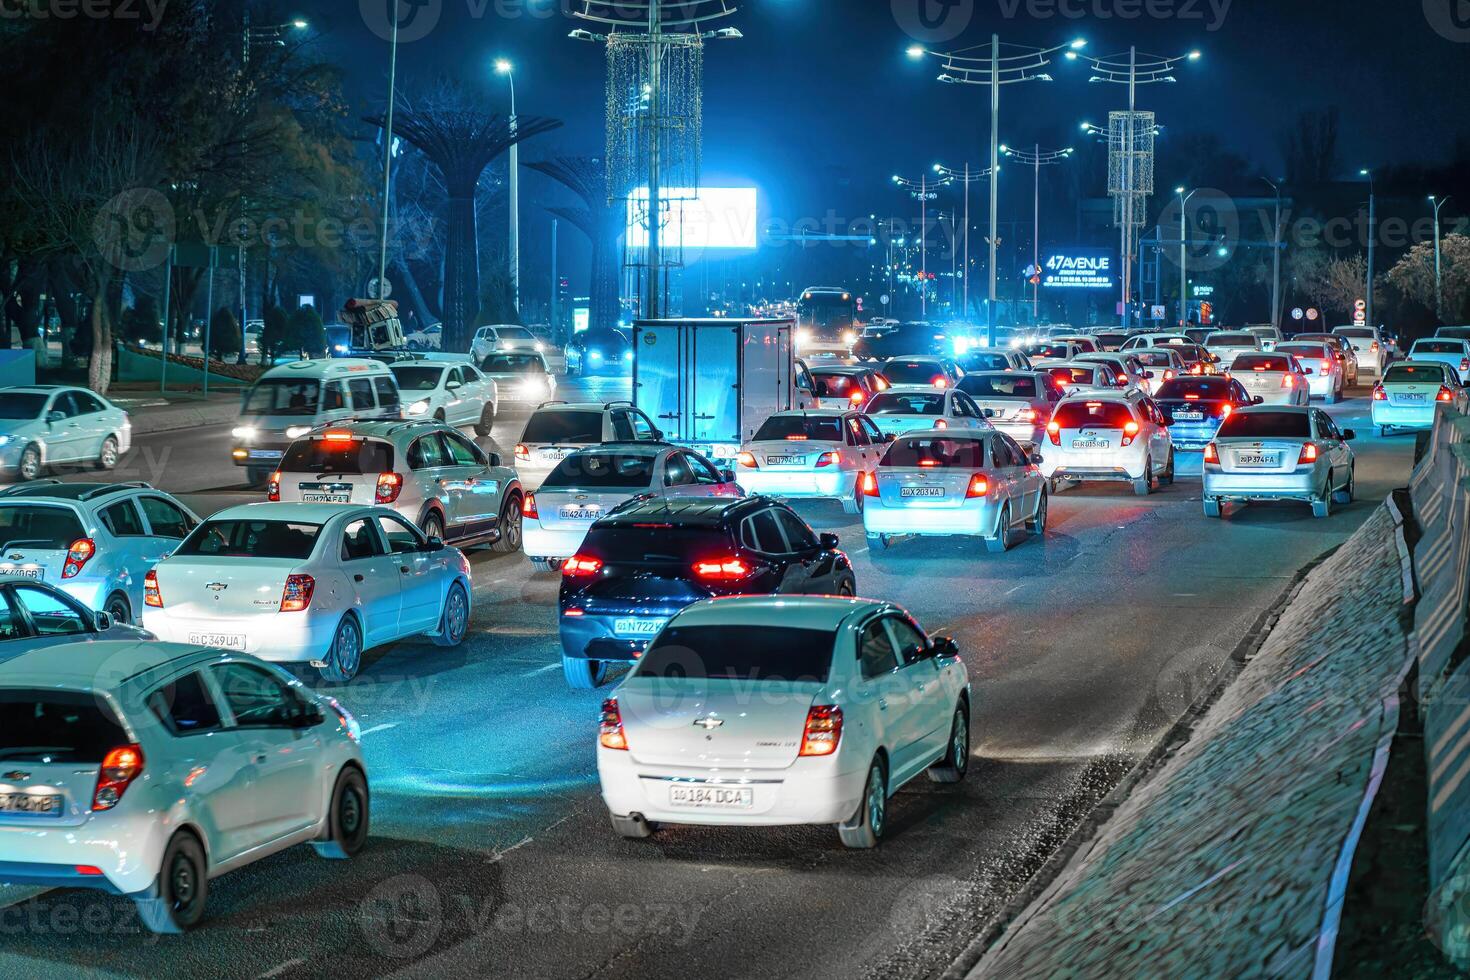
(150, 421)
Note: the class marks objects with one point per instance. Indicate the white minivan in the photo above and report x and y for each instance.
(290, 400)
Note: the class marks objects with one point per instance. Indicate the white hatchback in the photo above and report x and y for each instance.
(821, 454)
(904, 409)
(437, 387)
(146, 769)
(1160, 364)
(1276, 379)
(773, 711)
(1075, 376)
(308, 583)
(1108, 436)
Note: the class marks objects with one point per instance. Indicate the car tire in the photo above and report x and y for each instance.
(1037, 524)
(439, 417)
(1333, 396)
(544, 564)
(1144, 485)
(1213, 507)
(633, 826)
(1001, 543)
(454, 621)
(956, 761)
(510, 527)
(487, 421)
(176, 901)
(30, 465)
(107, 456)
(433, 526)
(854, 504)
(344, 658)
(118, 607)
(864, 829)
(847, 588)
(1322, 506)
(1348, 493)
(583, 675)
(346, 831)
(1168, 478)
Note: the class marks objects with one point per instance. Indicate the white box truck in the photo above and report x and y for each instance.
(709, 383)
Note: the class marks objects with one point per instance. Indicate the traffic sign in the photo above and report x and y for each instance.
(883, 299)
(1158, 312)
(1296, 313)
(387, 287)
(1312, 313)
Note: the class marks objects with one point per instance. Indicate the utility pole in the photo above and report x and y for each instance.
(1037, 158)
(922, 189)
(966, 176)
(388, 156)
(1438, 283)
(504, 67)
(1372, 235)
(1276, 258)
(1184, 253)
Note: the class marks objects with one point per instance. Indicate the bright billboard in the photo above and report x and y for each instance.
(712, 217)
(1078, 268)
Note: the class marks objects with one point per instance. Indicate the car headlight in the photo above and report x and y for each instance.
(596, 355)
(627, 355)
(419, 407)
(297, 431)
(243, 432)
(539, 346)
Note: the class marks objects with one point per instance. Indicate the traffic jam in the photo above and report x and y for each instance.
(160, 666)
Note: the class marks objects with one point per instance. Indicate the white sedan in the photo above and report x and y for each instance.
(308, 583)
(1276, 379)
(904, 409)
(820, 454)
(774, 711)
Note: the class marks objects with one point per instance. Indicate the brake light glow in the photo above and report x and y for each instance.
(928, 462)
(979, 487)
(1169, 375)
(747, 460)
(528, 507)
(1464, 365)
(1225, 411)
(337, 435)
(296, 596)
(390, 485)
(1287, 381)
(1054, 433)
(1197, 369)
(1444, 394)
(1130, 432)
(78, 553)
(119, 768)
(610, 730)
(823, 730)
(869, 483)
(1378, 393)
(1191, 398)
(722, 569)
(857, 397)
(90, 870)
(580, 565)
(1030, 415)
(941, 382)
(273, 489)
(1308, 454)
(796, 438)
(1212, 453)
(941, 424)
(828, 459)
(1373, 347)
(522, 451)
(151, 595)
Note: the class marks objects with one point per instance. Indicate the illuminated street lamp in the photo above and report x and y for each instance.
(504, 67)
(921, 189)
(1037, 158)
(1372, 234)
(1438, 293)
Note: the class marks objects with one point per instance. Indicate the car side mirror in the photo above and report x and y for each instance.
(1148, 374)
(944, 648)
(104, 621)
(988, 412)
(54, 417)
(492, 459)
(1348, 435)
(1034, 459)
(658, 435)
(1306, 370)
(829, 542)
(1258, 400)
(454, 385)
(727, 476)
(433, 544)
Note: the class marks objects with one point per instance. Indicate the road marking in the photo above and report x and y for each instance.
(1014, 589)
(540, 670)
(378, 728)
(277, 971)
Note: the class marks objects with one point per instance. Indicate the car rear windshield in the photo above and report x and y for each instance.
(554, 426)
(1260, 362)
(282, 397)
(1092, 415)
(601, 471)
(1188, 353)
(417, 378)
(799, 428)
(331, 456)
(1439, 347)
(1266, 425)
(21, 405)
(1154, 358)
(1358, 333)
(906, 403)
(985, 362)
(999, 386)
(38, 526)
(1458, 333)
(1181, 388)
(912, 372)
(251, 539)
(1411, 374)
(656, 542)
(1232, 340)
(833, 385)
(749, 653)
(932, 451)
(1110, 339)
(1048, 350)
(56, 726)
(1073, 375)
(1302, 350)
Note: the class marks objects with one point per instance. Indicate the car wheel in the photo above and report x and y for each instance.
(107, 458)
(1001, 543)
(119, 608)
(952, 768)
(510, 526)
(847, 589)
(583, 675)
(454, 622)
(633, 826)
(1168, 478)
(1322, 506)
(865, 828)
(1382, 431)
(1212, 507)
(1347, 494)
(1333, 396)
(345, 656)
(433, 525)
(1037, 524)
(347, 820)
(30, 463)
(854, 504)
(439, 416)
(545, 564)
(176, 900)
(487, 421)
(1144, 485)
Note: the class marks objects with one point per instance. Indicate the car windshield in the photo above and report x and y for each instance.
(1260, 362)
(912, 372)
(282, 397)
(1266, 425)
(985, 362)
(1153, 358)
(601, 471)
(1043, 351)
(1111, 339)
(1458, 333)
(48, 528)
(56, 726)
(1192, 388)
(906, 403)
(1092, 415)
(556, 426)
(1302, 350)
(1439, 347)
(800, 427)
(1232, 340)
(512, 364)
(1415, 374)
(21, 404)
(251, 539)
(417, 378)
(1074, 375)
(999, 386)
(1356, 333)
(514, 333)
(746, 653)
(936, 451)
(338, 456)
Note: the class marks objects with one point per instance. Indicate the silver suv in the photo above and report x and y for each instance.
(429, 472)
(558, 429)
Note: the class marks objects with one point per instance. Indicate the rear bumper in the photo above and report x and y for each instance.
(1404, 416)
(879, 518)
(278, 637)
(538, 541)
(1193, 435)
(798, 483)
(1091, 466)
(128, 852)
(1300, 484)
(1027, 434)
(593, 637)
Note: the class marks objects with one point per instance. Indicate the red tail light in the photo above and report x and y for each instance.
(747, 460)
(580, 565)
(1212, 453)
(1378, 393)
(119, 768)
(273, 490)
(1464, 365)
(1054, 433)
(1287, 381)
(151, 595)
(1130, 432)
(979, 487)
(1225, 411)
(1444, 395)
(1123, 381)
(1191, 398)
(869, 483)
(828, 459)
(941, 382)
(610, 731)
(823, 730)
(1373, 347)
(1197, 369)
(390, 485)
(1030, 415)
(296, 596)
(1308, 454)
(1169, 375)
(78, 553)
(941, 424)
(721, 569)
(528, 507)
(857, 398)
(523, 452)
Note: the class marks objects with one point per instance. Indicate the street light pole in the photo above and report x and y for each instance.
(507, 69)
(1438, 284)
(1372, 222)
(967, 177)
(1037, 158)
(388, 155)
(1184, 254)
(1276, 258)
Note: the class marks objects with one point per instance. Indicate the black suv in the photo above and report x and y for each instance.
(652, 557)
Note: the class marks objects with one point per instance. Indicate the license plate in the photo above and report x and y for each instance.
(265, 454)
(1411, 398)
(921, 492)
(555, 455)
(34, 573)
(222, 641)
(785, 460)
(41, 806)
(326, 498)
(580, 513)
(1189, 416)
(1091, 444)
(712, 797)
(638, 627)
(1257, 459)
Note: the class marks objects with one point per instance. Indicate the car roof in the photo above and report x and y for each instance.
(378, 428)
(794, 612)
(627, 447)
(1410, 362)
(706, 512)
(40, 389)
(95, 663)
(69, 492)
(289, 511)
(822, 413)
(334, 367)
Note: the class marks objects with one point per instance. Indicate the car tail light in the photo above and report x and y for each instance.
(580, 565)
(273, 489)
(747, 460)
(1054, 433)
(1197, 369)
(1373, 347)
(823, 730)
(151, 595)
(1287, 381)
(1123, 382)
(869, 483)
(1030, 415)
(610, 731)
(1191, 398)
(726, 569)
(90, 870)
(1169, 375)
(390, 485)
(1130, 432)
(523, 452)
(1212, 453)
(1308, 454)
(528, 507)
(78, 553)
(119, 768)
(857, 398)
(941, 424)
(296, 596)
(828, 459)
(1444, 395)
(941, 382)
(979, 487)
(1378, 393)
(1464, 365)
(1225, 411)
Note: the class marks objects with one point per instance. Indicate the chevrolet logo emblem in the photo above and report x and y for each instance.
(17, 776)
(216, 586)
(709, 722)
(14, 557)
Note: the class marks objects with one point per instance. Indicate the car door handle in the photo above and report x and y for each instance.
(357, 578)
(403, 569)
(260, 759)
(882, 704)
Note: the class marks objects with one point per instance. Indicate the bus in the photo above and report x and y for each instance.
(826, 319)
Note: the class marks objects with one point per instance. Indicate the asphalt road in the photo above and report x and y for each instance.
(492, 853)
